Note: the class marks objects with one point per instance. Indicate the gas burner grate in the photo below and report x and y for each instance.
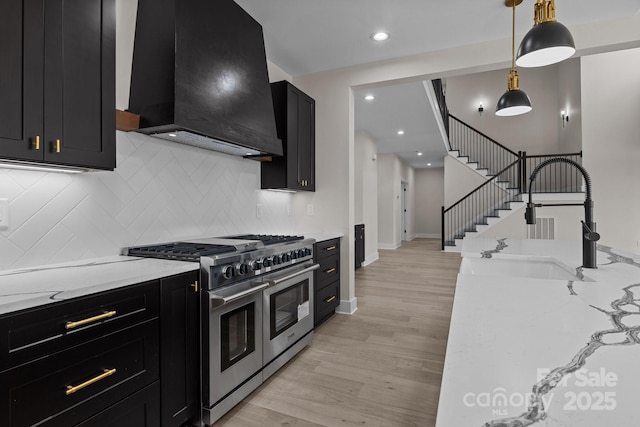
(267, 239)
(185, 251)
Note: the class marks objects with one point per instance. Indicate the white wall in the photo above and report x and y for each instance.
(537, 132)
(366, 192)
(160, 191)
(429, 199)
(388, 201)
(611, 143)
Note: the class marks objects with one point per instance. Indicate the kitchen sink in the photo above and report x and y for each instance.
(537, 268)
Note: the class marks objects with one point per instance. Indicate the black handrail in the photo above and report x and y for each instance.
(482, 134)
(438, 88)
(481, 185)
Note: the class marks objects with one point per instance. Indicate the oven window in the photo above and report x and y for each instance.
(237, 335)
(288, 306)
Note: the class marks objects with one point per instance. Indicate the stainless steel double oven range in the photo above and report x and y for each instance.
(256, 309)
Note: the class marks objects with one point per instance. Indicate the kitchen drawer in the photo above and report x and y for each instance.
(29, 334)
(327, 248)
(326, 301)
(139, 410)
(103, 372)
(329, 271)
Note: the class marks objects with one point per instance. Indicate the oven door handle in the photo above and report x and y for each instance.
(218, 300)
(276, 282)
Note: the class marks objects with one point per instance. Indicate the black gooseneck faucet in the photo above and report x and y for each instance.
(589, 235)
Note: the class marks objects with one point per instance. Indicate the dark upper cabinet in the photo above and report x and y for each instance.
(179, 355)
(57, 82)
(295, 122)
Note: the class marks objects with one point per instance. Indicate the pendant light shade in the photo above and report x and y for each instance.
(548, 42)
(514, 101)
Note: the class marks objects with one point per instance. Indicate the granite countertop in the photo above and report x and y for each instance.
(528, 350)
(31, 287)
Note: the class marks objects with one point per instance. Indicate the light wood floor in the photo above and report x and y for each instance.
(381, 366)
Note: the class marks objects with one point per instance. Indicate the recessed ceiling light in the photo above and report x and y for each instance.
(173, 135)
(428, 164)
(419, 153)
(400, 132)
(369, 98)
(380, 36)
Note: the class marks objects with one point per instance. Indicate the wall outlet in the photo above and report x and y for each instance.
(4, 213)
(259, 211)
(309, 210)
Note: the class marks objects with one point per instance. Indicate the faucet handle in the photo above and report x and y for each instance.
(589, 234)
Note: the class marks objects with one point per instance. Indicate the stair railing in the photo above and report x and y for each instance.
(555, 178)
(438, 88)
(488, 153)
(482, 202)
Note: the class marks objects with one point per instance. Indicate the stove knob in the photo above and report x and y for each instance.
(266, 262)
(286, 257)
(276, 259)
(228, 271)
(256, 264)
(300, 253)
(307, 251)
(294, 254)
(242, 269)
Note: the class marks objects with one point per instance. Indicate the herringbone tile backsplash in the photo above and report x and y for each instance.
(160, 191)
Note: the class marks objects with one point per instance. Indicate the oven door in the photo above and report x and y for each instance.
(235, 339)
(288, 312)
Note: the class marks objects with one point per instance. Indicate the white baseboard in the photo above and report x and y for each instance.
(428, 236)
(371, 259)
(347, 307)
(389, 246)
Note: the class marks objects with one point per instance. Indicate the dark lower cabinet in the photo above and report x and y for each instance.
(126, 357)
(138, 410)
(327, 279)
(57, 82)
(179, 343)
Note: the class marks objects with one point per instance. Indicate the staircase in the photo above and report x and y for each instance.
(506, 173)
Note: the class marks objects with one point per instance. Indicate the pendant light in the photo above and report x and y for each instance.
(548, 42)
(514, 101)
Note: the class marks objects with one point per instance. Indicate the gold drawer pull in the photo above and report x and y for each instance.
(330, 248)
(106, 315)
(330, 299)
(105, 374)
(331, 270)
(36, 143)
(56, 146)
(194, 286)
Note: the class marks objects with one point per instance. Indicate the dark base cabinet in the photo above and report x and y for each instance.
(179, 356)
(327, 279)
(126, 357)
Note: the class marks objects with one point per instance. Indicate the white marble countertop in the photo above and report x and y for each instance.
(31, 287)
(509, 332)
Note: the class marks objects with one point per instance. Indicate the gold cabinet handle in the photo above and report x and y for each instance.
(105, 315)
(330, 248)
(105, 374)
(330, 299)
(194, 286)
(56, 146)
(36, 143)
(331, 270)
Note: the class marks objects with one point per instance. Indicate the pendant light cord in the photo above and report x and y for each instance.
(513, 36)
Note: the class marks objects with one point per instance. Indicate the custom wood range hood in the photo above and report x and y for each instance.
(200, 77)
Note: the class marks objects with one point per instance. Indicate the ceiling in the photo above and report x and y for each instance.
(308, 36)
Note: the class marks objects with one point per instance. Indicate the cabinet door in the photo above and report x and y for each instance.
(79, 82)
(306, 142)
(21, 79)
(179, 355)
